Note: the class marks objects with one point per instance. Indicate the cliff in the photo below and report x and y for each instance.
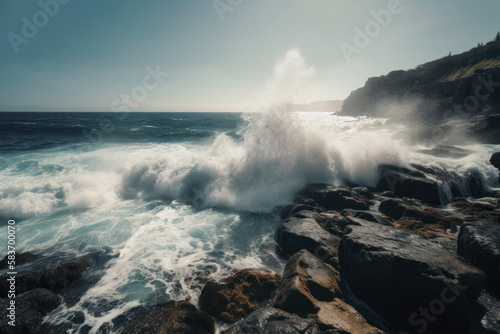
(464, 85)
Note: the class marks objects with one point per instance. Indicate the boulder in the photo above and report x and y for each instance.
(425, 221)
(372, 216)
(404, 182)
(291, 209)
(495, 160)
(332, 198)
(272, 320)
(239, 295)
(339, 317)
(478, 209)
(306, 279)
(295, 234)
(333, 222)
(41, 300)
(31, 307)
(402, 276)
(396, 208)
(27, 321)
(479, 242)
(170, 317)
(310, 289)
(51, 279)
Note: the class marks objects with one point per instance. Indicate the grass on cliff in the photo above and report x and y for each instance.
(469, 70)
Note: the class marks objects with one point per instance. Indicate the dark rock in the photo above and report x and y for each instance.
(397, 273)
(41, 300)
(291, 209)
(364, 192)
(51, 279)
(479, 242)
(31, 307)
(372, 216)
(27, 321)
(305, 280)
(485, 314)
(20, 258)
(397, 208)
(310, 289)
(478, 209)
(306, 201)
(332, 198)
(425, 221)
(305, 214)
(408, 183)
(295, 234)
(63, 328)
(271, 320)
(495, 160)
(333, 222)
(419, 218)
(169, 317)
(239, 295)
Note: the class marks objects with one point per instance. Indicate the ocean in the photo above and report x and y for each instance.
(164, 201)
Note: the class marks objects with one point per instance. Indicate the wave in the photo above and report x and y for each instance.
(273, 155)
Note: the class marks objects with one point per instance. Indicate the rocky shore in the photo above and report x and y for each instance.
(398, 258)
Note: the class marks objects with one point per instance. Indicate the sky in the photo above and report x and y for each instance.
(206, 55)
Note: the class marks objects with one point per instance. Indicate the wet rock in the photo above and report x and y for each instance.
(397, 208)
(425, 221)
(397, 273)
(291, 209)
(51, 279)
(333, 222)
(372, 216)
(21, 258)
(404, 208)
(271, 320)
(31, 307)
(404, 182)
(479, 242)
(485, 314)
(332, 198)
(295, 234)
(41, 300)
(169, 317)
(239, 295)
(340, 317)
(478, 209)
(27, 321)
(310, 289)
(305, 280)
(63, 328)
(495, 160)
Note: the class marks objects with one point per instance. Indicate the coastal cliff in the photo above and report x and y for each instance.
(464, 85)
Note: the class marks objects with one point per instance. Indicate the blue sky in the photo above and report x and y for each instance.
(92, 52)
